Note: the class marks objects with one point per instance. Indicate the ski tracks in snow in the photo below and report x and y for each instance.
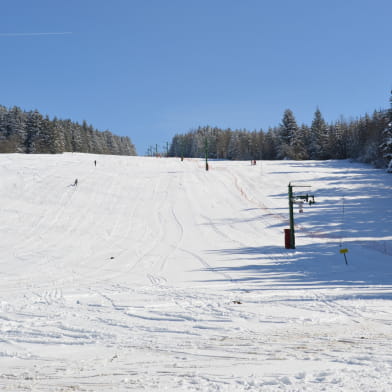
(154, 274)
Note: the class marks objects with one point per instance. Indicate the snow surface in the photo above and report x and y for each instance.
(153, 274)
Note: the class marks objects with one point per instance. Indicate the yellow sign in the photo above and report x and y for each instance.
(345, 250)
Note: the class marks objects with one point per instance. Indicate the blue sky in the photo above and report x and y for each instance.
(149, 69)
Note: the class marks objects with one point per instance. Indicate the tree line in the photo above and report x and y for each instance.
(30, 132)
(367, 139)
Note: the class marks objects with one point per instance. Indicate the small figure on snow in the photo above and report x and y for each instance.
(95, 163)
(76, 182)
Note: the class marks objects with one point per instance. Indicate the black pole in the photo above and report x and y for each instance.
(291, 208)
(206, 154)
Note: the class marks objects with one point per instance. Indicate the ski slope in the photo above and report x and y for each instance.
(153, 274)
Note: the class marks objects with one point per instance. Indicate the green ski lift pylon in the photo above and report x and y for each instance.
(300, 199)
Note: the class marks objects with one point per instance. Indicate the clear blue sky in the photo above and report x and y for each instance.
(151, 68)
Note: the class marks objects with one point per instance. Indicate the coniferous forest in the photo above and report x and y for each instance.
(367, 139)
(30, 132)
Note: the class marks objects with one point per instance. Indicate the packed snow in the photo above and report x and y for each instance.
(155, 274)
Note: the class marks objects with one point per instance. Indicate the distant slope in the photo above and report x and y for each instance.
(146, 212)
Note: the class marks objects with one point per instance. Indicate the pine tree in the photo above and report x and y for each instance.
(287, 131)
(387, 143)
(34, 127)
(255, 145)
(298, 146)
(58, 138)
(270, 144)
(233, 147)
(16, 129)
(318, 136)
(45, 142)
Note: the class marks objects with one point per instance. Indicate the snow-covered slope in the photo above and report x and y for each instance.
(153, 274)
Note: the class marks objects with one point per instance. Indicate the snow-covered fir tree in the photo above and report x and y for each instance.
(387, 140)
(287, 132)
(318, 136)
(34, 132)
(298, 143)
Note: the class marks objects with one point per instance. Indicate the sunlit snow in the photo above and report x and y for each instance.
(154, 274)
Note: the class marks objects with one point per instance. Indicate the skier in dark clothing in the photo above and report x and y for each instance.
(76, 182)
(95, 163)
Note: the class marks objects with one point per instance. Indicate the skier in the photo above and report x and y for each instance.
(76, 182)
(95, 163)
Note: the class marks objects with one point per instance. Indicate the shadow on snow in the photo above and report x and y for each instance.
(309, 267)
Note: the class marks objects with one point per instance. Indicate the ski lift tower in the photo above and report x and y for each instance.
(300, 200)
